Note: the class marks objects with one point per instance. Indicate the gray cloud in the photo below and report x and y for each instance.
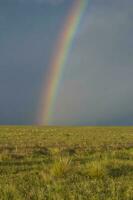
(96, 86)
(51, 2)
(97, 82)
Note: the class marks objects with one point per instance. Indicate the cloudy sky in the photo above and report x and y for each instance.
(97, 81)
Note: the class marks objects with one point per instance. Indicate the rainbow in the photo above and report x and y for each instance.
(59, 59)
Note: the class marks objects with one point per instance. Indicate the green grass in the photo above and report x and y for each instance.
(62, 163)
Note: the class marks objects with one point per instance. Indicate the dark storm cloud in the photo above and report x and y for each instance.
(27, 37)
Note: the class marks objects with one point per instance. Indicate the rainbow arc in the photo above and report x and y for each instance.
(59, 58)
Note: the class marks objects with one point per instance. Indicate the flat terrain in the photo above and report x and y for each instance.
(62, 163)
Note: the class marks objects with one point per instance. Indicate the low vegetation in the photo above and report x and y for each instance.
(66, 163)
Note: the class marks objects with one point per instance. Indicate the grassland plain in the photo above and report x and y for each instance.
(62, 163)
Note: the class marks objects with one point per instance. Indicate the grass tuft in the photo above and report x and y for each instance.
(61, 167)
(95, 169)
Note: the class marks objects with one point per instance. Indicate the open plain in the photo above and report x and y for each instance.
(66, 163)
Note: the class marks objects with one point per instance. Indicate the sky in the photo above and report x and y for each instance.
(96, 86)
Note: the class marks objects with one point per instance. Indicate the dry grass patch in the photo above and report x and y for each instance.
(96, 169)
(117, 168)
(61, 167)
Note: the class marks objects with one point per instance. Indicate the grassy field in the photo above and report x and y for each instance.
(62, 163)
